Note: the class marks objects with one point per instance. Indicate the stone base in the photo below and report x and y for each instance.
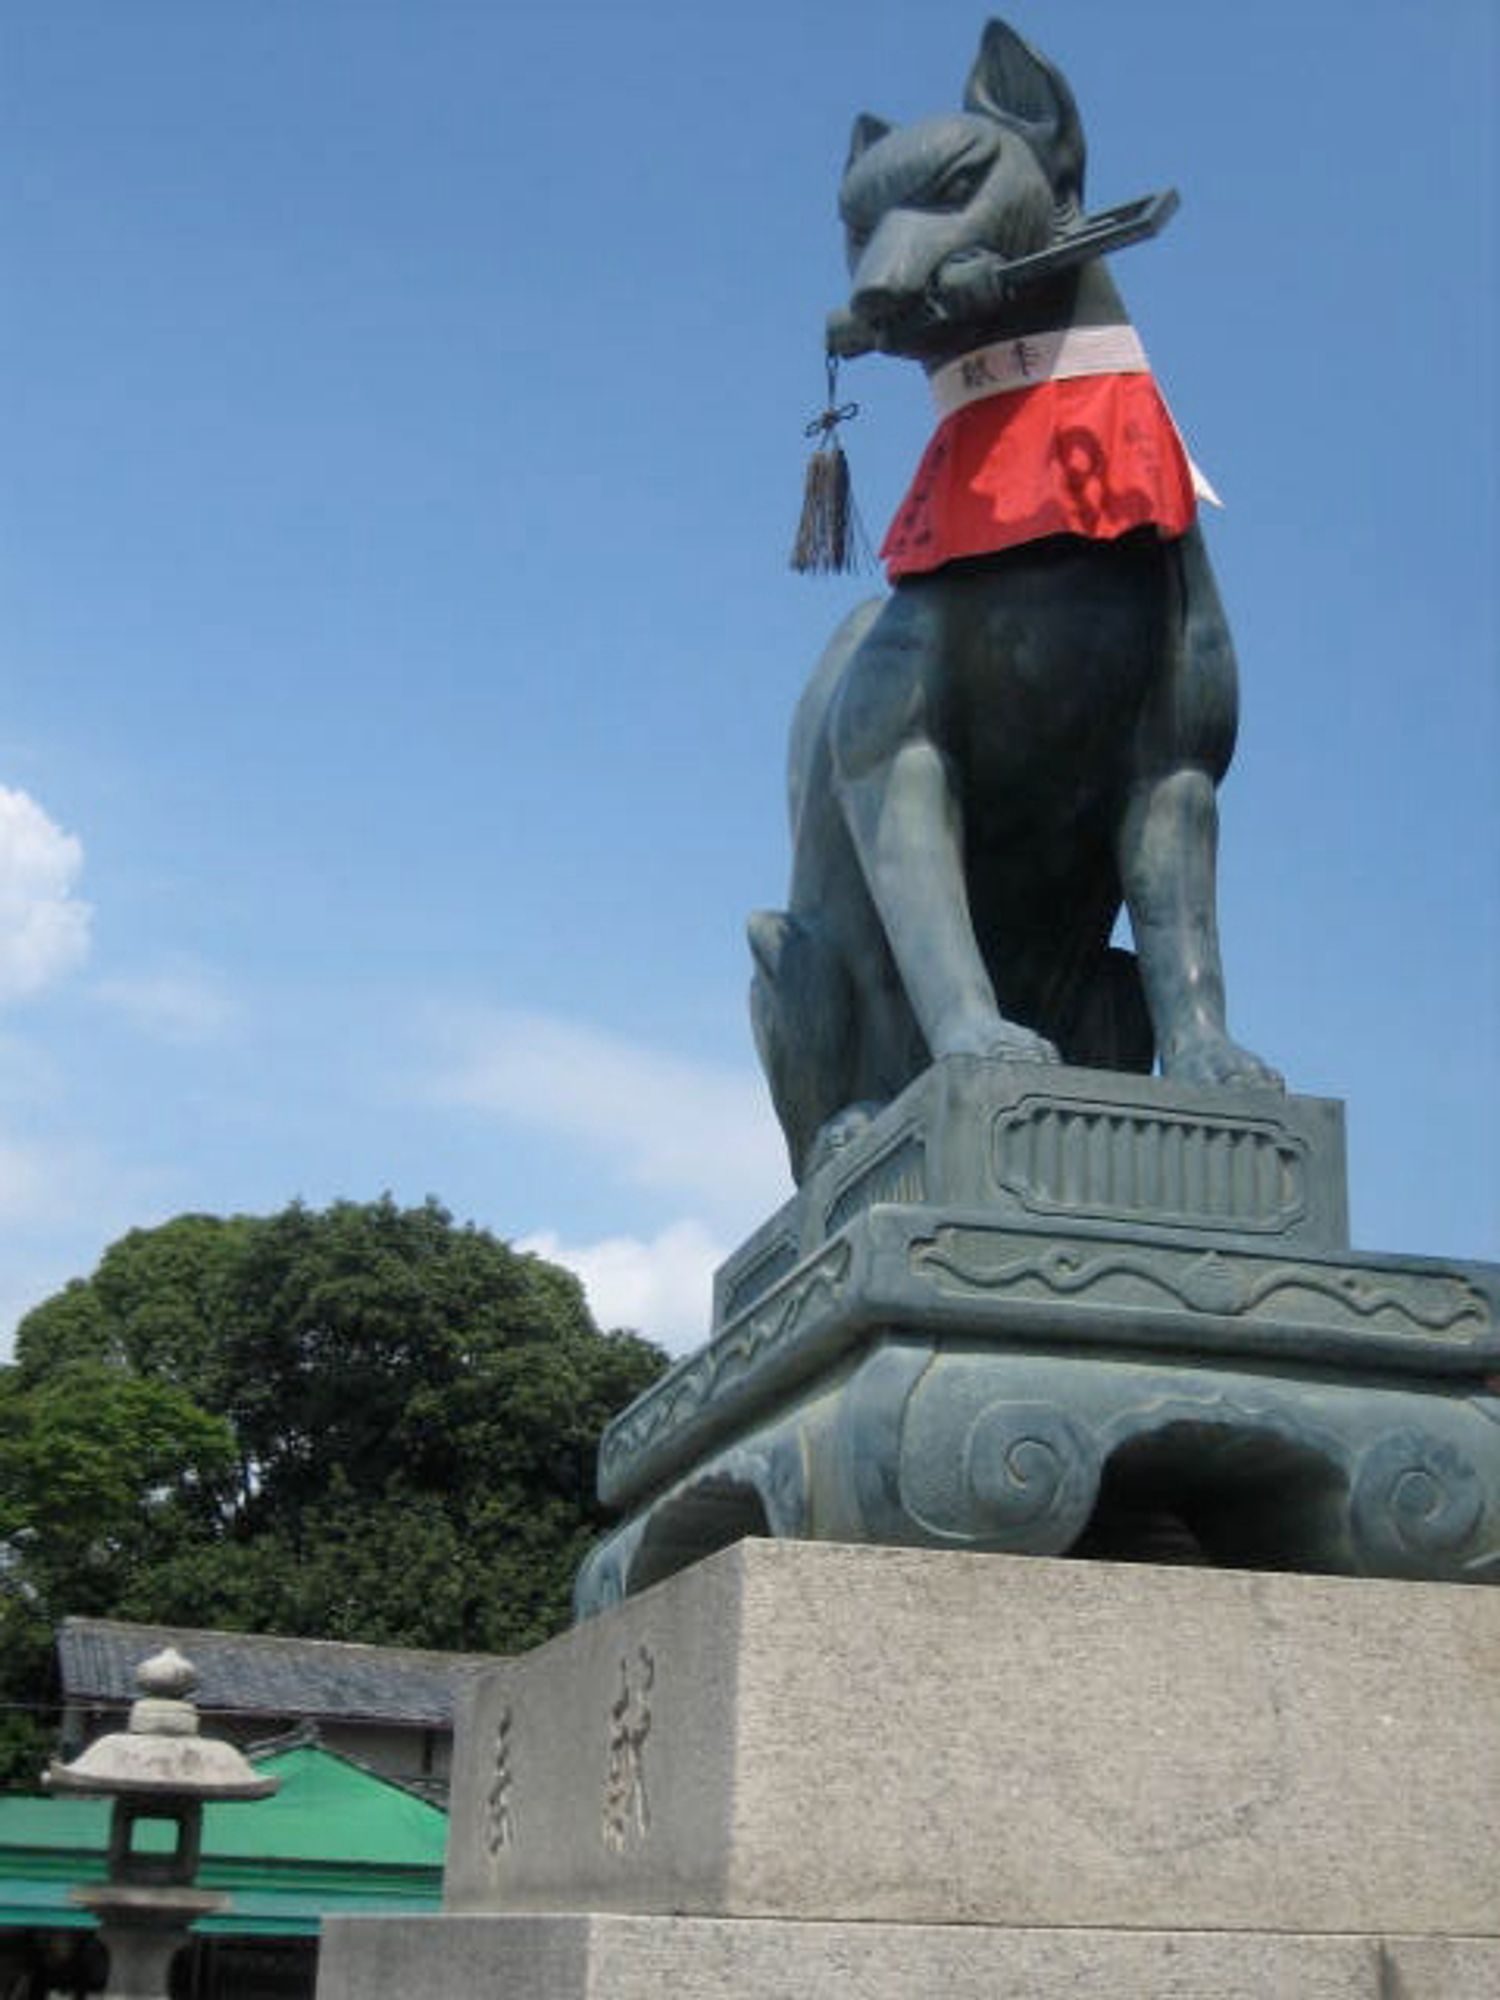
(799, 1769)
(1038, 1310)
(802, 1731)
(696, 1958)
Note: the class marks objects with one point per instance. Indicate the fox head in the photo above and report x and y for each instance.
(1003, 175)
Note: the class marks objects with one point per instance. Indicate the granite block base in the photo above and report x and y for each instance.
(694, 1958)
(886, 1774)
(803, 1730)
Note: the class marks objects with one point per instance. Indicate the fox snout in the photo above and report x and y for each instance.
(891, 276)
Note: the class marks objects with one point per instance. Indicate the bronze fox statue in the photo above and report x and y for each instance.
(1022, 736)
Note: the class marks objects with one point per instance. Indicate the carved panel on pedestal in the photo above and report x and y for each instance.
(1162, 1166)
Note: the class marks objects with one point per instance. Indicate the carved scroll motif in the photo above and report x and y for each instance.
(1416, 1504)
(737, 1353)
(1027, 1467)
(1215, 1282)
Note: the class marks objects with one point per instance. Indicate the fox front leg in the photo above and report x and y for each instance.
(1168, 839)
(1167, 847)
(903, 808)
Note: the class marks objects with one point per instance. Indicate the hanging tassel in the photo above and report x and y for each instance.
(830, 539)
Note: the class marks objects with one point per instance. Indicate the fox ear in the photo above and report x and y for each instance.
(1011, 83)
(867, 129)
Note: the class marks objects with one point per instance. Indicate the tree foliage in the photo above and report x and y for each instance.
(355, 1423)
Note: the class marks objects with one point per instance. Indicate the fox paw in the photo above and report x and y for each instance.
(835, 1133)
(997, 1040)
(1215, 1059)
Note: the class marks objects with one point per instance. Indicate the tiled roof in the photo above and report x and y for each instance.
(255, 1674)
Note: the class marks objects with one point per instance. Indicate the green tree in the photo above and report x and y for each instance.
(152, 1306)
(103, 1474)
(358, 1423)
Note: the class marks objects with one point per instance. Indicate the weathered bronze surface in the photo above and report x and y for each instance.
(1046, 1310)
(1029, 1297)
(990, 759)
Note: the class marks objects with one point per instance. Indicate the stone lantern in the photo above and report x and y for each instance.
(157, 1769)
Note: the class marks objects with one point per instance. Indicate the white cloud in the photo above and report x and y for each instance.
(30, 1073)
(665, 1122)
(180, 1003)
(56, 1187)
(662, 1288)
(701, 1134)
(61, 1203)
(33, 1181)
(44, 928)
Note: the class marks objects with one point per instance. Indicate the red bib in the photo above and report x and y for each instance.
(1078, 455)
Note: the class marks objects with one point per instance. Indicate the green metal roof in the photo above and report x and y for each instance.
(335, 1840)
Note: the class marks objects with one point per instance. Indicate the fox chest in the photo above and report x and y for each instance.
(1028, 671)
(1039, 692)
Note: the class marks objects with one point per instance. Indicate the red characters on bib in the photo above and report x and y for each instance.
(1040, 437)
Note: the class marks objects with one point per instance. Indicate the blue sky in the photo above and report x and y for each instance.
(402, 407)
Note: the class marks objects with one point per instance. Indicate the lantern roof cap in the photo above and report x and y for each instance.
(160, 1752)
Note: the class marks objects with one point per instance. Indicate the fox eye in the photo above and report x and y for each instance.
(960, 187)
